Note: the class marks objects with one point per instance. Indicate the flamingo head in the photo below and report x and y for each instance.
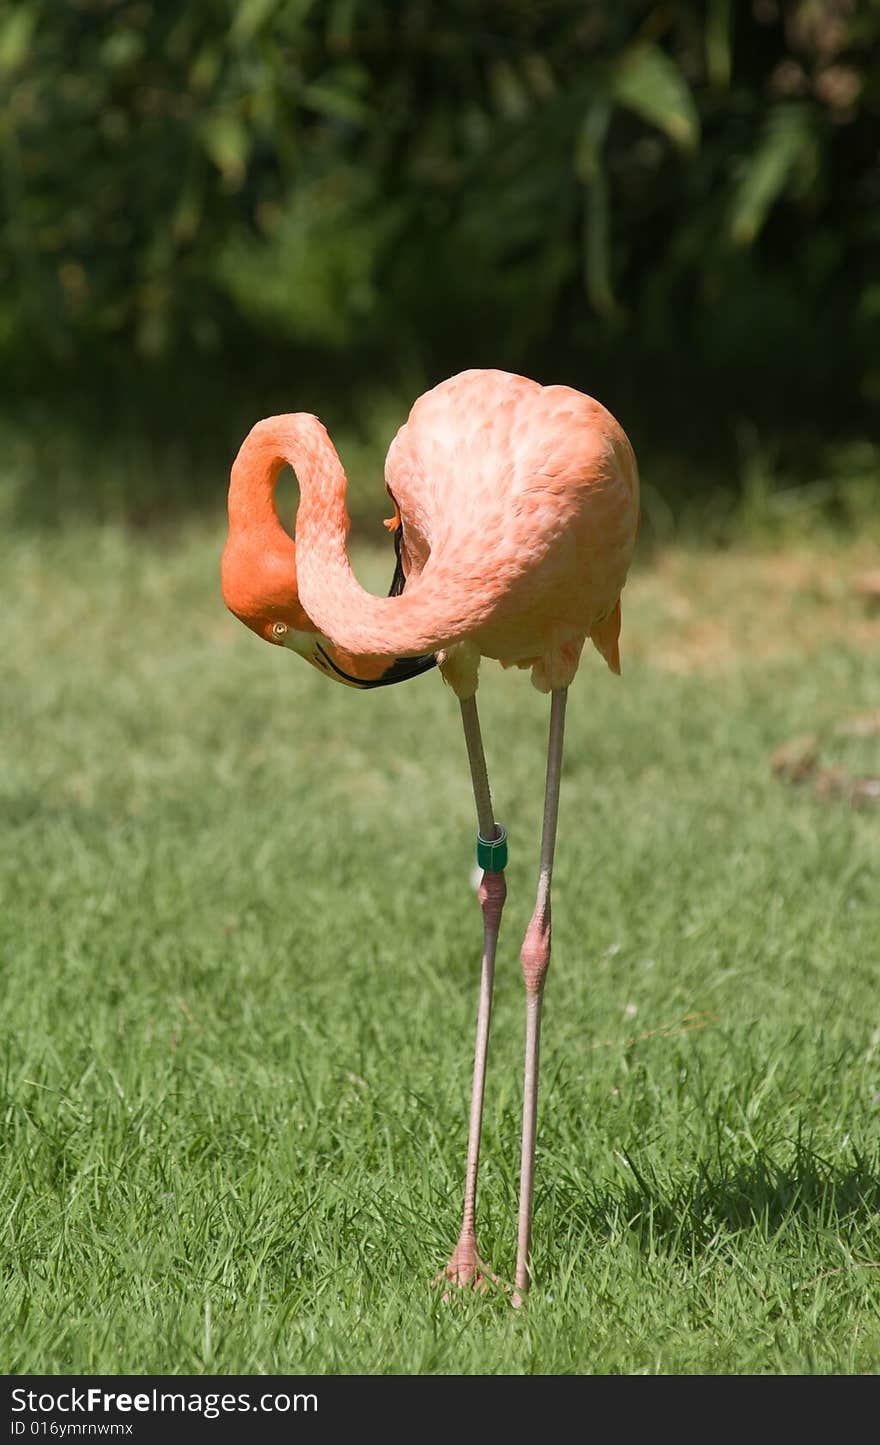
(259, 588)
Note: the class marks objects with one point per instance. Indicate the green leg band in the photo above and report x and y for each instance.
(492, 853)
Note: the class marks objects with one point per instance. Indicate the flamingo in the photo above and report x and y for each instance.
(515, 516)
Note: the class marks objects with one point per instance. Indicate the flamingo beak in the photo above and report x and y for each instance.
(334, 663)
(329, 659)
(399, 671)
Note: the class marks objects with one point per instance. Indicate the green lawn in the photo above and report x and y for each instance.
(239, 978)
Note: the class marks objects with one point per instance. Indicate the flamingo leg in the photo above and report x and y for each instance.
(465, 1267)
(535, 958)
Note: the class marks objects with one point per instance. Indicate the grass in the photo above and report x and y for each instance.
(239, 972)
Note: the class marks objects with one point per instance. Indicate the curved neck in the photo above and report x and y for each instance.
(330, 594)
(297, 440)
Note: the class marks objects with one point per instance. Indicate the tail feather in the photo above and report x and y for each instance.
(605, 637)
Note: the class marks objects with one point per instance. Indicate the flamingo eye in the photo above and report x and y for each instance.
(279, 630)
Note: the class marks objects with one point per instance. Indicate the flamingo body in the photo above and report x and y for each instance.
(527, 496)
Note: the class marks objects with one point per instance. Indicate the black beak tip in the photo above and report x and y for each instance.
(405, 668)
(399, 671)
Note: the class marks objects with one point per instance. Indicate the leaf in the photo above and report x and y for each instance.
(15, 38)
(336, 95)
(226, 142)
(122, 48)
(510, 96)
(786, 140)
(342, 25)
(597, 246)
(248, 18)
(649, 83)
(591, 139)
(719, 42)
(590, 170)
(205, 67)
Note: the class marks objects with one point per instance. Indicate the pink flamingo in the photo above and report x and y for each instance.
(516, 511)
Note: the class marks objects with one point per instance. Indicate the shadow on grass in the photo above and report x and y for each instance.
(767, 1195)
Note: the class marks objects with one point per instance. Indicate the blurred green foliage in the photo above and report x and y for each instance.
(687, 194)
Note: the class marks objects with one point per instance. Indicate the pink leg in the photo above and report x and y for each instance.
(535, 957)
(465, 1266)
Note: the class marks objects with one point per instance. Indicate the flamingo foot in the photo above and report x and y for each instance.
(466, 1270)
